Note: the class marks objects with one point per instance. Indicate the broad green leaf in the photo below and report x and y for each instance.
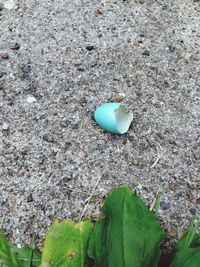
(128, 235)
(12, 256)
(7, 254)
(28, 257)
(188, 257)
(66, 244)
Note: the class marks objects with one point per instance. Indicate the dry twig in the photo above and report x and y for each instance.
(157, 159)
(87, 201)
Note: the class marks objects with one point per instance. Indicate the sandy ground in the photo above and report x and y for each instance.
(61, 59)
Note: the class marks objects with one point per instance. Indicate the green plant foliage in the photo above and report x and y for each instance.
(191, 239)
(128, 235)
(7, 254)
(66, 244)
(188, 257)
(187, 250)
(28, 257)
(18, 257)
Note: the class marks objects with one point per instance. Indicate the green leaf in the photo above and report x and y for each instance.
(7, 254)
(187, 250)
(191, 239)
(28, 257)
(12, 256)
(66, 244)
(188, 257)
(128, 235)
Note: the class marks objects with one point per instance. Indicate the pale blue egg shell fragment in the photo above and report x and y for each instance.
(113, 117)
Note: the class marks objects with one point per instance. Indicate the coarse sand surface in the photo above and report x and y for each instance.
(59, 60)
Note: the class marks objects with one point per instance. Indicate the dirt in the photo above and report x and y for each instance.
(59, 60)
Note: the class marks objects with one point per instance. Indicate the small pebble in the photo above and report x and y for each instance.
(80, 68)
(30, 198)
(26, 69)
(135, 162)
(164, 205)
(141, 166)
(94, 64)
(187, 56)
(90, 47)
(2, 74)
(15, 46)
(146, 53)
(67, 145)
(48, 138)
(5, 126)
(171, 48)
(192, 211)
(31, 99)
(99, 34)
(4, 55)
(100, 11)
(172, 142)
(64, 123)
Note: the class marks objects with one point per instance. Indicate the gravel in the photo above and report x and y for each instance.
(64, 58)
(164, 205)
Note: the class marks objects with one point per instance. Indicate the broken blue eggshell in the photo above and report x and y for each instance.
(113, 117)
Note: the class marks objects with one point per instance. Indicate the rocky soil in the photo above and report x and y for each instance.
(61, 59)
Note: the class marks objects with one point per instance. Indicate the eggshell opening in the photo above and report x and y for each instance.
(123, 118)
